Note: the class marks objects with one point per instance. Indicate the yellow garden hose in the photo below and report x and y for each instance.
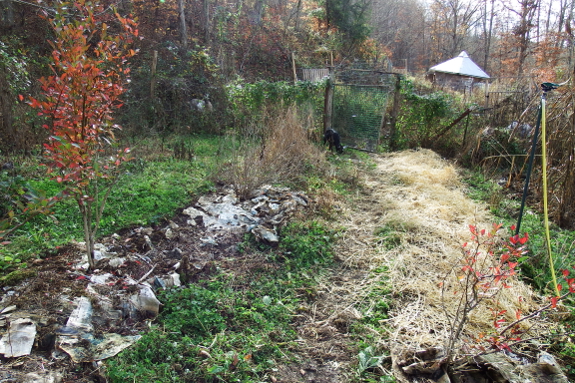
(545, 210)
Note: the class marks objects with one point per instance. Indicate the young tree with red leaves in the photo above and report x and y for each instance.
(89, 64)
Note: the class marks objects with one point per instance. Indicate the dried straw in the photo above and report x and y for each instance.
(419, 198)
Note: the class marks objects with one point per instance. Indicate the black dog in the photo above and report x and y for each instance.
(331, 137)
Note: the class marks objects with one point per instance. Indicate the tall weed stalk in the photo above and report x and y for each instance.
(278, 150)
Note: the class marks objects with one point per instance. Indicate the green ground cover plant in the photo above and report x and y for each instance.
(230, 327)
(251, 102)
(370, 329)
(233, 327)
(535, 268)
(153, 187)
(425, 115)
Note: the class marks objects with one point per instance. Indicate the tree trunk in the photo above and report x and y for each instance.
(7, 128)
(86, 211)
(6, 14)
(328, 105)
(153, 75)
(206, 21)
(297, 16)
(183, 28)
(488, 32)
(523, 30)
(454, 30)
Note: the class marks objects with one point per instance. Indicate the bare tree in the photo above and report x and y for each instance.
(453, 22)
(183, 26)
(488, 17)
(522, 30)
(206, 21)
(399, 25)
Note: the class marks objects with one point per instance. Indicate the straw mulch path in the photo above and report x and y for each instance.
(411, 217)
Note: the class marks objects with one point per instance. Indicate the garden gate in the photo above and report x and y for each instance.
(356, 104)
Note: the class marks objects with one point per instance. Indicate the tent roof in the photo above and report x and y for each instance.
(461, 65)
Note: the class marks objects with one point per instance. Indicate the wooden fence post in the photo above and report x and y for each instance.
(153, 75)
(328, 106)
(394, 114)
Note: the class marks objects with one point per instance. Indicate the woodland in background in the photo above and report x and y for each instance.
(190, 49)
(194, 55)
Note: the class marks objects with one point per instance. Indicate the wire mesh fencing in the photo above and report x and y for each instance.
(360, 99)
(358, 113)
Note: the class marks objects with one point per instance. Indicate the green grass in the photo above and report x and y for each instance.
(536, 269)
(306, 244)
(148, 192)
(233, 327)
(215, 333)
(345, 178)
(369, 331)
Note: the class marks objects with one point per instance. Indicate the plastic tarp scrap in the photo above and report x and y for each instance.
(19, 338)
(146, 301)
(76, 338)
(81, 317)
(85, 347)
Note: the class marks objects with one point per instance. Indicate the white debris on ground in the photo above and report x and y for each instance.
(267, 210)
(19, 338)
(130, 269)
(77, 340)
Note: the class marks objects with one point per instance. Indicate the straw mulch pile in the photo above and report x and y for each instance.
(413, 219)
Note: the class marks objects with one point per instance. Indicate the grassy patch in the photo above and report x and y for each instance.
(233, 327)
(215, 333)
(370, 329)
(149, 191)
(486, 190)
(167, 172)
(237, 326)
(535, 269)
(388, 238)
(306, 244)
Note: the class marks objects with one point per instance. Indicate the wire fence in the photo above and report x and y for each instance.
(360, 100)
(358, 113)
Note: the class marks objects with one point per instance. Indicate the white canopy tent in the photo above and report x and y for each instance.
(461, 65)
